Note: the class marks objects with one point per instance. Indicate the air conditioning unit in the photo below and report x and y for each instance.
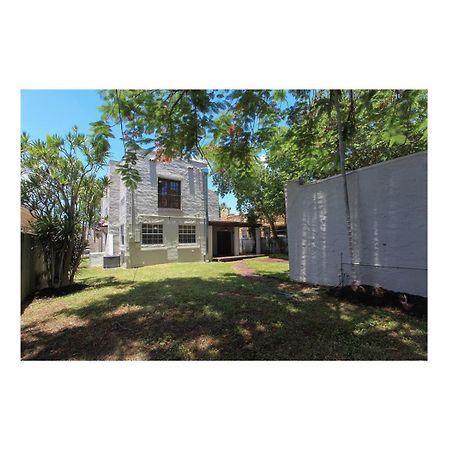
(111, 261)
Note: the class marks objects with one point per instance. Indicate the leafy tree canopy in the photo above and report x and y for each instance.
(257, 140)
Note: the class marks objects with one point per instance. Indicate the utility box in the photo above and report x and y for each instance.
(110, 262)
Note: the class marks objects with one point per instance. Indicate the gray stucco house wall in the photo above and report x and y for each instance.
(388, 205)
(126, 215)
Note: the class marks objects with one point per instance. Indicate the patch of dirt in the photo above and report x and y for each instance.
(50, 293)
(300, 287)
(242, 268)
(277, 260)
(60, 292)
(377, 296)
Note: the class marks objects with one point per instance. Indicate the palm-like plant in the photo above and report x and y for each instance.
(61, 189)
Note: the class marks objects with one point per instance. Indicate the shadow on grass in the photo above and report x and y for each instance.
(278, 257)
(61, 291)
(51, 293)
(228, 318)
(271, 273)
(89, 283)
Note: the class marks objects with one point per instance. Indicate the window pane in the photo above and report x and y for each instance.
(152, 233)
(186, 234)
(169, 194)
(175, 187)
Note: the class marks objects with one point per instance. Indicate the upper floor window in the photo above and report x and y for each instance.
(169, 193)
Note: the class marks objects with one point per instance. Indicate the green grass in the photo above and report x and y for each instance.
(279, 256)
(208, 311)
(263, 266)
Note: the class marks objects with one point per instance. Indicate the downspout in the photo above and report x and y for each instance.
(205, 199)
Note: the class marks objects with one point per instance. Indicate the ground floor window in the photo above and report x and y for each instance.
(152, 233)
(186, 234)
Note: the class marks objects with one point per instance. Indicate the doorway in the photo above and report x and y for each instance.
(224, 243)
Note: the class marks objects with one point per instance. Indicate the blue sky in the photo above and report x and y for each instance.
(57, 111)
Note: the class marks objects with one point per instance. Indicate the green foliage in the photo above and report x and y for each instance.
(257, 140)
(60, 187)
(171, 122)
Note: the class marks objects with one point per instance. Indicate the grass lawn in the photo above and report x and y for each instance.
(193, 311)
(264, 266)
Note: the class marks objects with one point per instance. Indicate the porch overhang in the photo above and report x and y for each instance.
(229, 223)
(224, 238)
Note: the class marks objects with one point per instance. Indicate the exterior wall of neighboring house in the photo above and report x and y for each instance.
(146, 212)
(113, 210)
(32, 267)
(388, 206)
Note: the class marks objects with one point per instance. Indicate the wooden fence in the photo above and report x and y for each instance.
(31, 266)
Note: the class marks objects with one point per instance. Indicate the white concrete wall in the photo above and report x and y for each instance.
(113, 208)
(96, 259)
(258, 240)
(236, 241)
(388, 204)
(190, 175)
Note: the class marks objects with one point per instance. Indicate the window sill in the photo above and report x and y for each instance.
(193, 245)
(163, 209)
(153, 247)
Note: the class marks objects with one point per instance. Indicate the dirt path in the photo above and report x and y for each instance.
(277, 260)
(242, 268)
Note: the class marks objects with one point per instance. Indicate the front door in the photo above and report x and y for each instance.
(224, 243)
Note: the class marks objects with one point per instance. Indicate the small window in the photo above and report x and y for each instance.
(186, 234)
(169, 193)
(122, 235)
(152, 234)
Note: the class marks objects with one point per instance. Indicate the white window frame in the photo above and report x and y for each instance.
(187, 230)
(149, 229)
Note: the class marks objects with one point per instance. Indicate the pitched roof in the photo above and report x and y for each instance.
(233, 218)
(26, 219)
(279, 221)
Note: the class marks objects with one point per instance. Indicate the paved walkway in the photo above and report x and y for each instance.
(235, 258)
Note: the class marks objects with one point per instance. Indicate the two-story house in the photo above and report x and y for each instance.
(164, 219)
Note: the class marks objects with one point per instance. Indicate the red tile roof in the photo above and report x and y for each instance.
(26, 219)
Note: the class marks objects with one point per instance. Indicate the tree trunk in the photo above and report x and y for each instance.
(67, 258)
(79, 253)
(60, 272)
(52, 267)
(69, 248)
(274, 232)
(337, 104)
(76, 264)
